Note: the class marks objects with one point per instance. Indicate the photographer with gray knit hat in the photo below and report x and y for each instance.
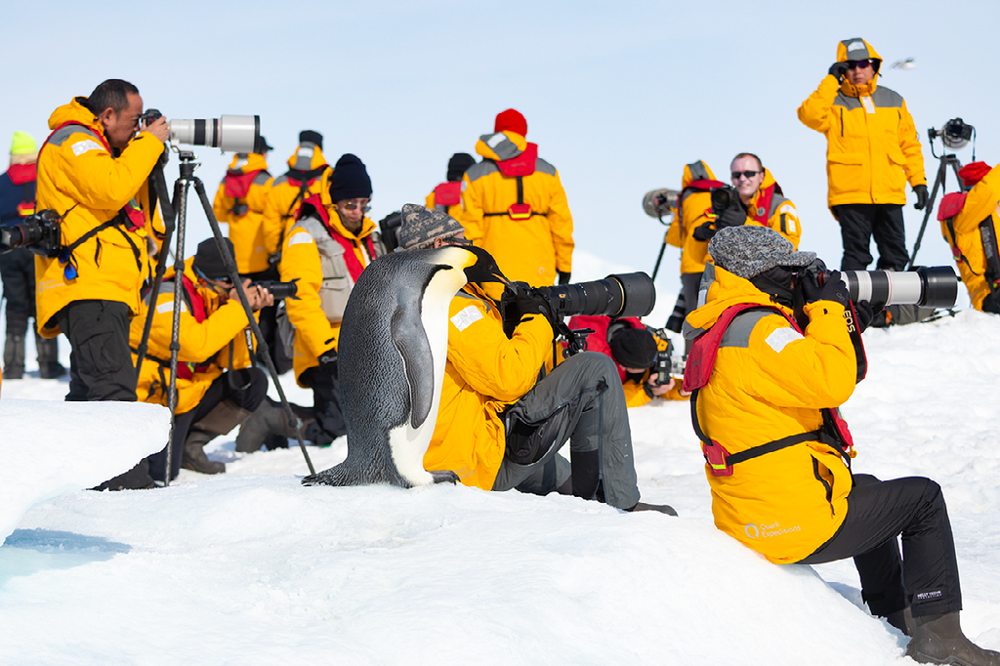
(765, 397)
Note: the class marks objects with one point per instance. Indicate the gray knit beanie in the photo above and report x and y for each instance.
(422, 226)
(750, 250)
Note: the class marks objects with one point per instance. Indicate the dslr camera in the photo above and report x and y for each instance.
(40, 233)
(235, 134)
(279, 290)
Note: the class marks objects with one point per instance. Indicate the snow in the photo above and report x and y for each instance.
(250, 567)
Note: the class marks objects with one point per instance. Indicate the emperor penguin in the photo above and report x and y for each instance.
(393, 346)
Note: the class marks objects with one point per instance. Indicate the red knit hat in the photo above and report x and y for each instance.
(973, 173)
(511, 120)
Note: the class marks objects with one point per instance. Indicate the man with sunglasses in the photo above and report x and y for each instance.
(872, 151)
(216, 388)
(325, 251)
(93, 170)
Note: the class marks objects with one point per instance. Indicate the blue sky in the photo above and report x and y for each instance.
(619, 96)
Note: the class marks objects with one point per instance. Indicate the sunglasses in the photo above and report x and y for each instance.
(352, 205)
(748, 174)
(854, 64)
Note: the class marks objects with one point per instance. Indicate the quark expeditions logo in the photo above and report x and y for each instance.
(769, 530)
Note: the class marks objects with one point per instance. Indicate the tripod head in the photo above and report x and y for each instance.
(954, 134)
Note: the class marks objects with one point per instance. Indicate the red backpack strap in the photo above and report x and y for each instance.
(521, 165)
(705, 349)
(448, 194)
(764, 204)
(238, 183)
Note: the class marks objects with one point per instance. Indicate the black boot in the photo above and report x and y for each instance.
(49, 366)
(267, 421)
(13, 357)
(902, 620)
(938, 639)
(662, 508)
(223, 418)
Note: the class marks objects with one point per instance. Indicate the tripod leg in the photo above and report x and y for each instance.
(230, 265)
(938, 182)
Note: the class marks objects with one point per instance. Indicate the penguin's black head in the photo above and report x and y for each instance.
(482, 267)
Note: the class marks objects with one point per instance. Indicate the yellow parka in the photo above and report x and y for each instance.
(300, 260)
(781, 215)
(284, 201)
(485, 372)
(771, 382)
(529, 250)
(694, 207)
(872, 145)
(207, 347)
(982, 203)
(80, 178)
(245, 214)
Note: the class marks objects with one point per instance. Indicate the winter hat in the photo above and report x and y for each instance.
(458, 164)
(310, 136)
(750, 250)
(208, 259)
(422, 226)
(23, 144)
(262, 146)
(349, 179)
(511, 120)
(973, 172)
(633, 348)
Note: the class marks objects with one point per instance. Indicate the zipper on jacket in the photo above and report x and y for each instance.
(829, 488)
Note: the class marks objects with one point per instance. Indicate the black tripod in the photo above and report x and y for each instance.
(944, 161)
(177, 210)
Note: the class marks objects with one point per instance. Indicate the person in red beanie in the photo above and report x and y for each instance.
(515, 206)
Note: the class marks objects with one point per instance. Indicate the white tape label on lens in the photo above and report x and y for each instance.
(80, 147)
(781, 337)
(470, 315)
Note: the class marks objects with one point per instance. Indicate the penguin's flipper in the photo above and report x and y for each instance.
(410, 340)
(444, 476)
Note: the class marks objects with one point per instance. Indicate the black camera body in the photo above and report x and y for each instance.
(725, 200)
(279, 290)
(39, 232)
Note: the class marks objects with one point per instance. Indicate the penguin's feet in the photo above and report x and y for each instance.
(444, 476)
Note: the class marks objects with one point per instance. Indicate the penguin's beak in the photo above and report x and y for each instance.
(484, 267)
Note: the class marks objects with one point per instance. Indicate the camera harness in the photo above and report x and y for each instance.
(518, 167)
(304, 179)
(701, 360)
(130, 215)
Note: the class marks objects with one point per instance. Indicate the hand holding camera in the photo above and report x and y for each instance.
(152, 121)
(825, 287)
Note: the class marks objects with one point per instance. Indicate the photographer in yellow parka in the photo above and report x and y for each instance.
(872, 151)
(93, 170)
(515, 206)
(216, 390)
(239, 203)
(777, 349)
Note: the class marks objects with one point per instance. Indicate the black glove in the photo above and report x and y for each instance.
(832, 289)
(563, 278)
(529, 301)
(866, 312)
(731, 217)
(838, 69)
(922, 196)
(328, 362)
(704, 232)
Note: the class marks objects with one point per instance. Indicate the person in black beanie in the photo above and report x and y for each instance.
(327, 248)
(447, 196)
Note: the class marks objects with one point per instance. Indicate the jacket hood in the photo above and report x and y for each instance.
(501, 146)
(247, 162)
(858, 49)
(76, 112)
(766, 183)
(986, 204)
(307, 156)
(726, 291)
(689, 177)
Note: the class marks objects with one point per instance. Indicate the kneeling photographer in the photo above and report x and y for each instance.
(776, 352)
(216, 388)
(502, 420)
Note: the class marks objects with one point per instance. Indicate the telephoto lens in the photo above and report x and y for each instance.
(235, 134)
(930, 287)
(625, 295)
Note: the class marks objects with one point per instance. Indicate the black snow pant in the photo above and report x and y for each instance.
(245, 388)
(580, 401)
(926, 577)
(17, 270)
(325, 384)
(100, 366)
(859, 223)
